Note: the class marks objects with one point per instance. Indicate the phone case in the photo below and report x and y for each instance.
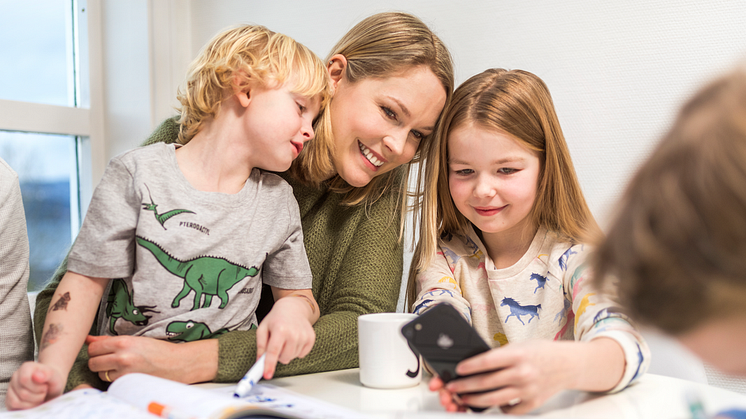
(444, 339)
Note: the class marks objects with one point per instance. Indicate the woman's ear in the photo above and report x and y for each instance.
(336, 67)
(242, 89)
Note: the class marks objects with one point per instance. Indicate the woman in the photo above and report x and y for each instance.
(392, 77)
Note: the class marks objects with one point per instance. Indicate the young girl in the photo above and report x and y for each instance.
(180, 239)
(503, 239)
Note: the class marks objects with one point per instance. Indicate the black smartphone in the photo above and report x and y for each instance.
(444, 339)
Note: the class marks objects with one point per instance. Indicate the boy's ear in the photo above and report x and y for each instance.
(336, 67)
(243, 93)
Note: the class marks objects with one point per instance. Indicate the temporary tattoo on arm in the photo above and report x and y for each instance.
(50, 336)
(61, 304)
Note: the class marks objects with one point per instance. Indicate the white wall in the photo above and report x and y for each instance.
(618, 71)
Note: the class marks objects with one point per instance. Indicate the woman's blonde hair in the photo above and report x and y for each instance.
(517, 103)
(237, 56)
(380, 46)
(677, 244)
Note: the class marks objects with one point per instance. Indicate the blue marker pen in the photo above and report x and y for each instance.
(252, 377)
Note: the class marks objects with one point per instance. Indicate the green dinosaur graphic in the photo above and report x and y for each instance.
(190, 331)
(119, 305)
(206, 275)
(162, 218)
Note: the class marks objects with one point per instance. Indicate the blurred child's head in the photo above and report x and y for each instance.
(238, 56)
(678, 242)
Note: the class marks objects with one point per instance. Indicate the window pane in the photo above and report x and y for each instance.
(47, 170)
(38, 39)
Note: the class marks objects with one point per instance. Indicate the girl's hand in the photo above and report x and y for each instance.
(447, 399)
(190, 362)
(33, 384)
(286, 332)
(522, 376)
(518, 377)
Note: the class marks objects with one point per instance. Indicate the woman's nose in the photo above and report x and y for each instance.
(395, 142)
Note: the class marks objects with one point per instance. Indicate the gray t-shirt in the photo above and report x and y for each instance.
(186, 264)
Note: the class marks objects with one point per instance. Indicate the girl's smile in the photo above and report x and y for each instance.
(488, 211)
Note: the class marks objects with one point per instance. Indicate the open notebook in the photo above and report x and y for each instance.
(134, 395)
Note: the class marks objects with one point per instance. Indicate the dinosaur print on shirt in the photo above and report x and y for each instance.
(206, 275)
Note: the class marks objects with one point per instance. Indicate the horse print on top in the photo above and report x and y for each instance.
(517, 310)
(547, 294)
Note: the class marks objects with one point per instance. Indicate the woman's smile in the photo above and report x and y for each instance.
(370, 156)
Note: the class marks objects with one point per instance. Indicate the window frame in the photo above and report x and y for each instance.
(85, 123)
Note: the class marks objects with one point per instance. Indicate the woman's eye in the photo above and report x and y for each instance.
(418, 135)
(389, 113)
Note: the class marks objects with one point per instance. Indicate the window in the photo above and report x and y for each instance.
(46, 119)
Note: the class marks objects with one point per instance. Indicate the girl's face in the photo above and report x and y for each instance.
(379, 123)
(492, 178)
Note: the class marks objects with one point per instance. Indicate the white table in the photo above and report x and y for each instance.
(654, 396)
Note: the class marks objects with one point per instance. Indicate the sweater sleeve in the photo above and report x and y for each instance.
(15, 316)
(363, 275)
(596, 315)
(438, 283)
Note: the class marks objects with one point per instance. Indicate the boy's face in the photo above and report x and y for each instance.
(278, 123)
(720, 342)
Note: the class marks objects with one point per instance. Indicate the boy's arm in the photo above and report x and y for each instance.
(306, 298)
(73, 309)
(286, 332)
(69, 319)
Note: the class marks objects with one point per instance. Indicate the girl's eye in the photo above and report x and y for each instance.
(418, 135)
(507, 171)
(389, 113)
(463, 172)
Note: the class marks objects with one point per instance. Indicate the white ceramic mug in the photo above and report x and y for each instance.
(386, 360)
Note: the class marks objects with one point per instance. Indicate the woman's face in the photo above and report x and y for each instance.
(379, 123)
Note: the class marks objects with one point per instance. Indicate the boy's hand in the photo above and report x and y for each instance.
(286, 332)
(33, 384)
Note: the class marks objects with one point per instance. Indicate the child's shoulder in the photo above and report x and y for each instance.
(460, 243)
(270, 182)
(155, 151)
(564, 255)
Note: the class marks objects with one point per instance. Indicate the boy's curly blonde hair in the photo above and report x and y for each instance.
(236, 56)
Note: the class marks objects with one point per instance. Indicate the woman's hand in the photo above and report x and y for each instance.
(522, 376)
(287, 331)
(191, 362)
(33, 384)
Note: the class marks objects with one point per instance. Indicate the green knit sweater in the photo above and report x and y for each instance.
(356, 260)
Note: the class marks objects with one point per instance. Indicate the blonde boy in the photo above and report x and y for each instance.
(180, 251)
